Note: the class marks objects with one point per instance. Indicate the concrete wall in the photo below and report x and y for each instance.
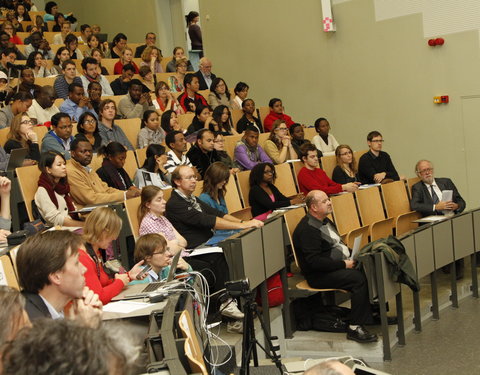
(368, 75)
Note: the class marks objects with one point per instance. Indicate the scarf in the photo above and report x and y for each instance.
(119, 177)
(252, 152)
(61, 188)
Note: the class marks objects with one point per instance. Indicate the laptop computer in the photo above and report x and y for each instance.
(143, 290)
(17, 157)
(102, 38)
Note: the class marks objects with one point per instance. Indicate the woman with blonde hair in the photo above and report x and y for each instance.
(103, 226)
(152, 57)
(176, 81)
(126, 58)
(21, 135)
(279, 146)
(346, 169)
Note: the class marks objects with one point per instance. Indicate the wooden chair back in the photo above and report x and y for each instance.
(7, 273)
(396, 198)
(357, 155)
(28, 182)
(97, 161)
(198, 188)
(410, 182)
(292, 218)
(185, 120)
(41, 132)
(49, 35)
(345, 213)
(370, 205)
(232, 197)
(4, 135)
(262, 113)
(115, 98)
(262, 137)
(165, 62)
(310, 133)
(236, 115)
(244, 186)
(167, 193)
(131, 165)
(131, 207)
(45, 81)
(131, 128)
(405, 223)
(328, 164)
(350, 237)
(285, 181)
(381, 229)
(109, 64)
(297, 165)
(141, 156)
(230, 143)
(193, 351)
(244, 214)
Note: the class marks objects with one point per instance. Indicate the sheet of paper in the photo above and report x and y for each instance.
(447, 195)
(125, 307)
(430, 219)
(366, 186)
(206, 250)
(356, 246)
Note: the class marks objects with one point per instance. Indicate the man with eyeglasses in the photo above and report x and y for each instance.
(204, 74)
(60, 135)
(43, 107)
(150, 40)
(375, 166)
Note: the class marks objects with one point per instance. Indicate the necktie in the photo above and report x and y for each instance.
(434, 196)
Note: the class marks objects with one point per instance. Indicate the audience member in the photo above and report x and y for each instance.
(111, 172)
(118, 45)
(221, 121)
(127, 58)
(150, 131)
(178, 54)
(204, 74)
(311, 177)
(90, 74)
(85, 32)
(103, 226)
(153, 170)
(65, 30)
(169, 122)
(194, 31)
(135, 103)
(202, 154)
(59, 19)
(241, 93)
(9, 28)
(325, 262)
(147, 78)
(51, 9)
(21, 12)
(7, 60)
(278, 146)
(331, 367)
(248, 119)
(175, 141)
(86, 186)
(5, 216)
(77, 103)
(375, 166)
(214, 186)
(62, 82)
(102, 350)
(276, 113)
(52, 198)
(20, 102)
(346, 169)
(297, 135)
(87, 129)
(21, 135)
(324, 141)
(61, 56)
(71, 42)
(43, 107)
(176, 81)
(59, 137)
(109, 131)
(51, 277)
(121, 84)
(165, 100)
(190, 99)
(152, 248)
(219, 94)
(94, 93)
(38, 65)
(5, 43)
(94, 43)
(16, 26)
(40, 44)
(150, 39)
(247, 151)
(201, 120)
(264, 197)
(151, 56)
(219, 146)
(27, 83)
(98, 55)
(13, 314)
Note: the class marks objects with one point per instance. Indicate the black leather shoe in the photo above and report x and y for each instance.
(361, 335)
(391, 320)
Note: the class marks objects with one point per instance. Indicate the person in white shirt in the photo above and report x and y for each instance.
(90, 73)
(175, 140)
(43, 107)
(324, 141)
(66, 29)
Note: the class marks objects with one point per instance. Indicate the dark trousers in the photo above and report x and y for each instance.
(355, 282)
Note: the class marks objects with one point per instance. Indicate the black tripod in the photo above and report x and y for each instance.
(249, 343)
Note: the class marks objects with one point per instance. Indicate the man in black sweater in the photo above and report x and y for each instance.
(325, 263)
(202, 154)
(375, 166)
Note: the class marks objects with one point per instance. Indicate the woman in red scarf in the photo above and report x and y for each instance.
(52, 198)
(276, 113)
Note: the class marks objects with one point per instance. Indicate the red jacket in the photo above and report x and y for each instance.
(316, 179)
(117, 69)
(105, 287)
(272, 116)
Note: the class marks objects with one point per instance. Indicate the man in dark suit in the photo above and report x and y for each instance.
(51, 276)
(204, 74)
(150, 40)
(427, 199)
(427, 194)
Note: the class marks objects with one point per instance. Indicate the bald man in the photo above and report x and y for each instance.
(325, 262)
(329, 368)
(204, 74)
